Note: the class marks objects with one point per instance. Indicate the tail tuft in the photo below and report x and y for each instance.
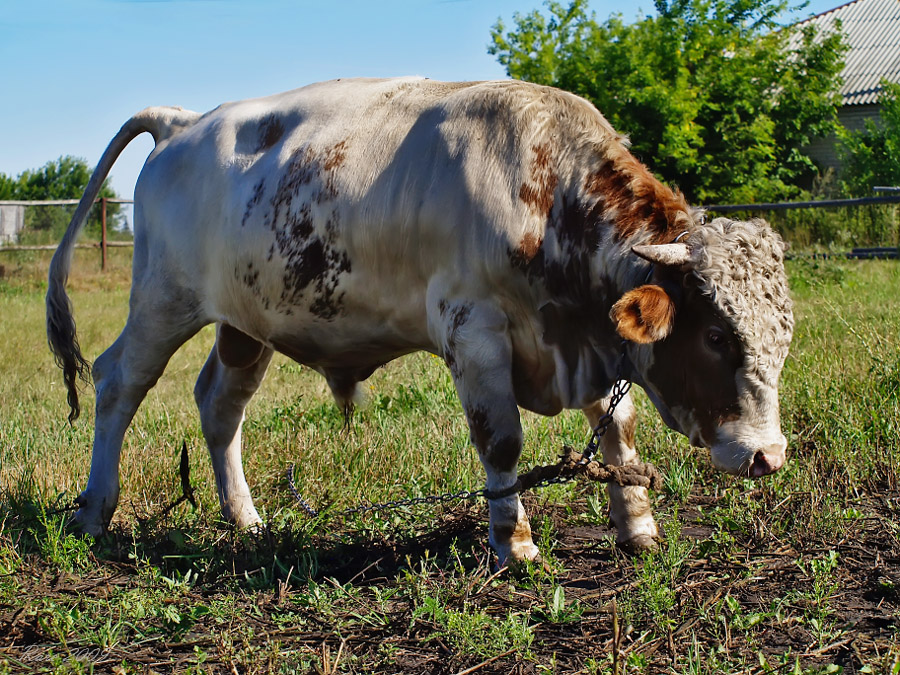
(63, 341)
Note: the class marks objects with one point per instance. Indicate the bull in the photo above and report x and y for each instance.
(502, 226)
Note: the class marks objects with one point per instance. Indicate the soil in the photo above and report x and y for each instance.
(770, 580)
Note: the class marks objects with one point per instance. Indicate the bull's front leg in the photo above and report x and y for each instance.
(477, 349)
(629, 507)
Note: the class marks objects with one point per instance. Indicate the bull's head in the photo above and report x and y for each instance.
(710, 333)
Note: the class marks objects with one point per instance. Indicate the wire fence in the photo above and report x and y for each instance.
(39, 225)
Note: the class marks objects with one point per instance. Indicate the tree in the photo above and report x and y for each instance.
(707, 90)
(63, 178)
(871, 157)
(7, 187)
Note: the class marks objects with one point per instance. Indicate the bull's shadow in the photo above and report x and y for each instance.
(347, 551)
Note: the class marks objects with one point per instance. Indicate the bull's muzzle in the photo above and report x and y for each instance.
(768, 460)
(750, 455)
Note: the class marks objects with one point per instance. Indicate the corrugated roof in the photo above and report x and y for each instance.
(872, 30)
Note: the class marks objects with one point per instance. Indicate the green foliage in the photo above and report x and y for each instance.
(707, 90)
(63, 178)
(872, 157)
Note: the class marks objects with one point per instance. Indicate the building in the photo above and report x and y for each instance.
(872, 31)
(12, 220)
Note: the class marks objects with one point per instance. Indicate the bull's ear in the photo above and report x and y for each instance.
(664, 254)
(644, 314)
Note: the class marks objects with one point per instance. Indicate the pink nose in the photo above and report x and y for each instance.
(767, 461)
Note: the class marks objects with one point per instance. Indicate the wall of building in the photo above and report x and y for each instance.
(823, 151)
(12, 220)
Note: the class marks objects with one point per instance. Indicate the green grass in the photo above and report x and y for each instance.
(796, 573)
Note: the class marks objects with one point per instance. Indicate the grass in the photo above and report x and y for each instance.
(798, 573)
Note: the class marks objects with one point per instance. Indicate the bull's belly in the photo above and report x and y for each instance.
(343, 347)
(365, 333)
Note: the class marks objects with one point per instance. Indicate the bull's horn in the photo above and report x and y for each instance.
(664, 254)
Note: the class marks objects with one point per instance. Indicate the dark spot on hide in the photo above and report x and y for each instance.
(567, 274)
(501, 453)
(504, 453)
(576, 333)
(312, 259)
(481, 431)
(458, 316)
(271, 130)
(254, 200)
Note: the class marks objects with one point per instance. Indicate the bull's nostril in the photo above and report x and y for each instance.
(767, 461)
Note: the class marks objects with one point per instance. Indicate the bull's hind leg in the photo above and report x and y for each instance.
(478, 351)
(629, 507)
(232, 374)
(123, 375)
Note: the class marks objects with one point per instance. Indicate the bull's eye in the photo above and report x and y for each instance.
(716, 338)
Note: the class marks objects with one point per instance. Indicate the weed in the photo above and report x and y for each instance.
(558, 611)
(655, 595)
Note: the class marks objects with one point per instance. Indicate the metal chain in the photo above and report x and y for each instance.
(620, 389)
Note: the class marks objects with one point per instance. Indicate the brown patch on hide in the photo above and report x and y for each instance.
(527, 250)
(538, 191)
(236, 349)
(567, 274)
(271, 129)
(645, 314)
(335, 156)
(632, 199)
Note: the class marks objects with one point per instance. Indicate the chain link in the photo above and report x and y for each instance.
(620, 389)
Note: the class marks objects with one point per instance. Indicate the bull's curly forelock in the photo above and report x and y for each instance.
(740, 267)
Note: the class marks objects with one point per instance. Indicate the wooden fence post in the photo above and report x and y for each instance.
(103, 234)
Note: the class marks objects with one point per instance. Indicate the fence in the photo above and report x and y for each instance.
(829, 225)
(824, 226)
(16, 224)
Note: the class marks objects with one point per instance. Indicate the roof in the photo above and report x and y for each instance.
(872, 30)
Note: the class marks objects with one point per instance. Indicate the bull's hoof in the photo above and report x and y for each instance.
(91, 517)
(523, 567)
(83, 524)
(517, 556)
(641, 543)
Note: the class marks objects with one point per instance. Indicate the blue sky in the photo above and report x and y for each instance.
(73, 71)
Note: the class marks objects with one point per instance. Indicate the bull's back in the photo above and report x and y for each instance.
(341, 201)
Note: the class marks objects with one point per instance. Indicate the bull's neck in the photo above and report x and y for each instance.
(627, 206)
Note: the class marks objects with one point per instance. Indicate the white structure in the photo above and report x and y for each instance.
(12, 220)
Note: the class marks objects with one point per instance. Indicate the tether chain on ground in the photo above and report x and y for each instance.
(571, 465)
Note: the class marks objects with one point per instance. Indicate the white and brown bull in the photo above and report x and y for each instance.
(501, 225)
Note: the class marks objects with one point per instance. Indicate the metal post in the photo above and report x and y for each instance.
(103, 234)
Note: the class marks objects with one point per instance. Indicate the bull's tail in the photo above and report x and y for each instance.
(162, 123)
